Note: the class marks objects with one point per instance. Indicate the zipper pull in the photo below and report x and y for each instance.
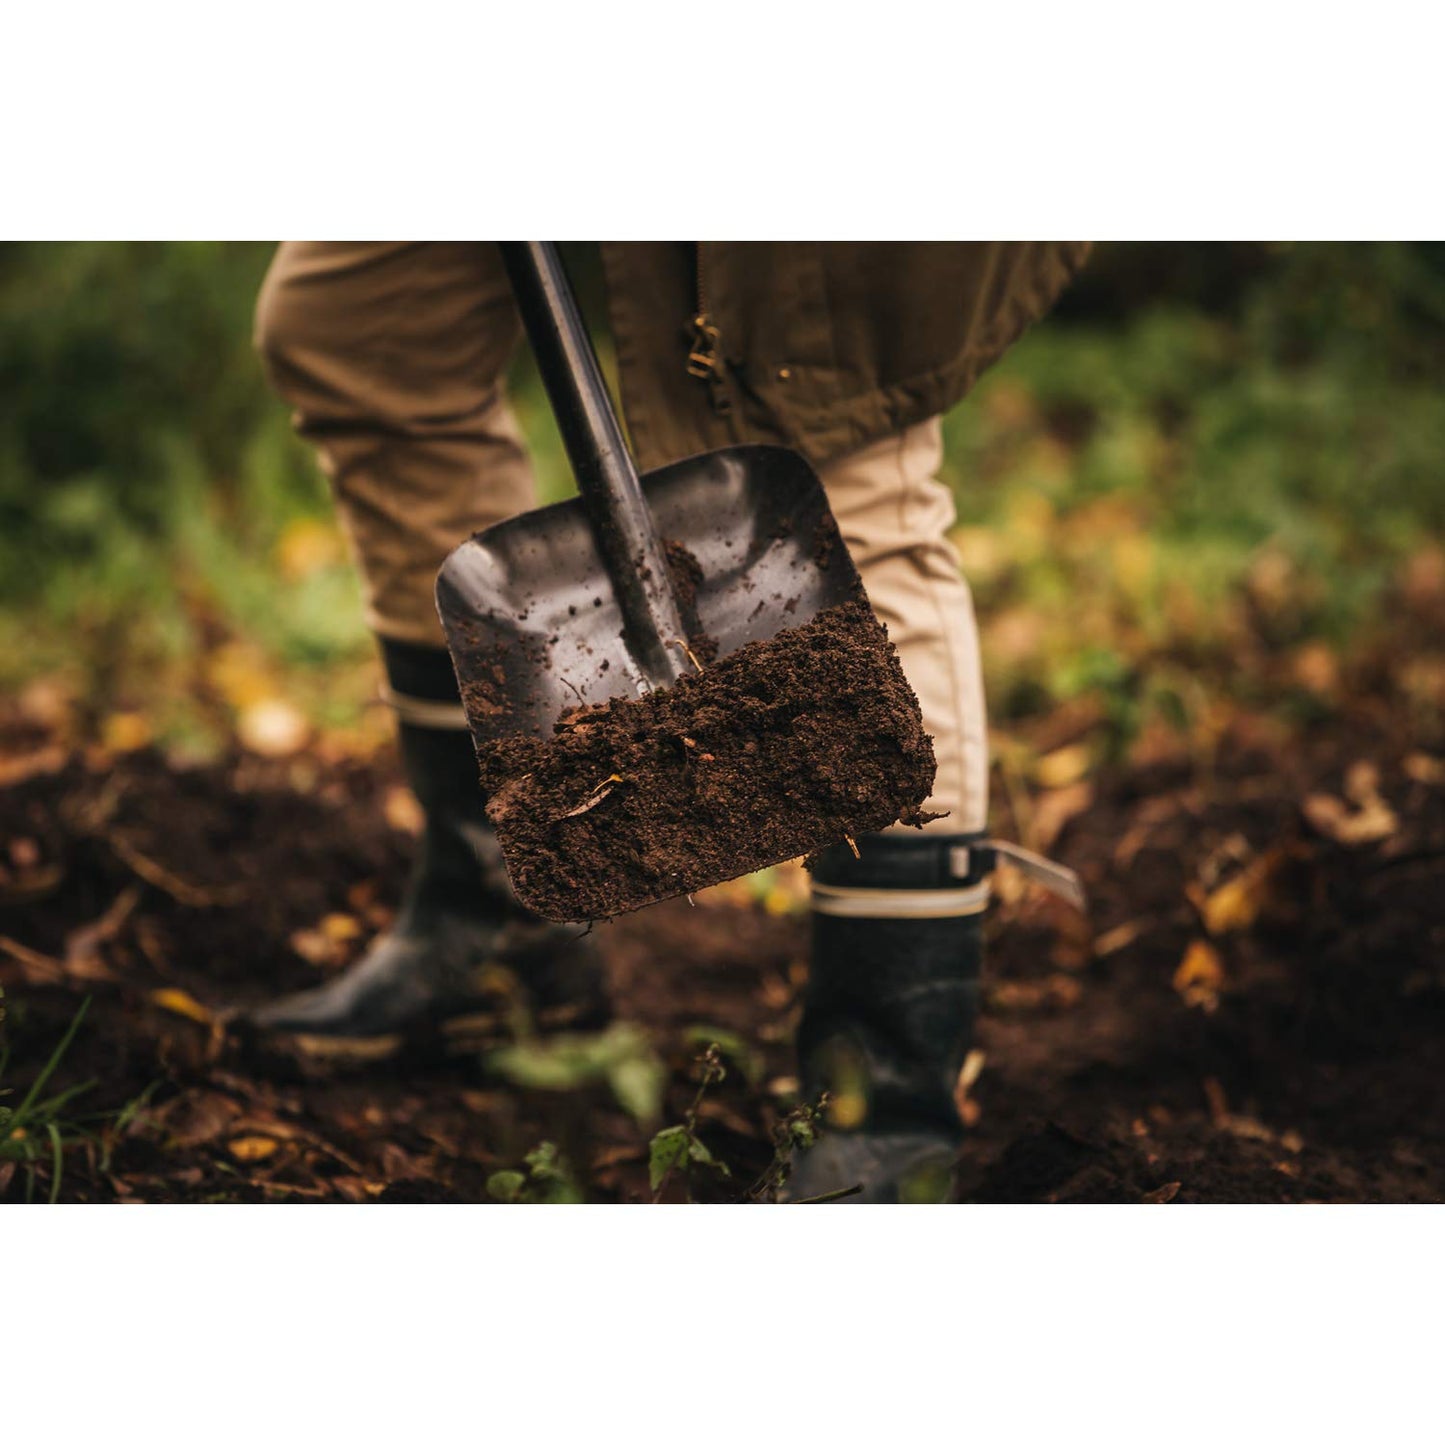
(705, 358)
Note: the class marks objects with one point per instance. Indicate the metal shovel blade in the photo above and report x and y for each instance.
(534, 627)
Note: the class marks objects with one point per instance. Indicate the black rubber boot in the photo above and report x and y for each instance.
(461, 944)
(889, 1012)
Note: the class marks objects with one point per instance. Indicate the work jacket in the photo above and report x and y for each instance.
(824, 346)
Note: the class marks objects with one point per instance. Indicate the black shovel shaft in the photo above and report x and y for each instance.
(606, 477)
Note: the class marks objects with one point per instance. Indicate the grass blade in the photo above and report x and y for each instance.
(57, 1155)
(50, 1066)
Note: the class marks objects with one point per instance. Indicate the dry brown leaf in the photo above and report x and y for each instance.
(1163, 1194)
(178, 1001)
(1422, 768)
(38, 968)
(968, 1109)
(402, 811)
(195, 1118)
(1054, 811)
(1121, 937)
(1200, 976)
(1234, 905)
(355, 1189)
(1351, 827)
(32, 765)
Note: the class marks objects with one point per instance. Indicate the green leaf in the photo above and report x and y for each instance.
(506, 1185)
(638, 1084)
(668, 1150)
(699, 1153)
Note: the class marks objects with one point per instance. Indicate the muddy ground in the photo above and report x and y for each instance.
(1255, 1010)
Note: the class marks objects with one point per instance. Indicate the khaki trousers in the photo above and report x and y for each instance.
(392, 356)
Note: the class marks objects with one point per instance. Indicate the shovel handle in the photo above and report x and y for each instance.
(606, 477)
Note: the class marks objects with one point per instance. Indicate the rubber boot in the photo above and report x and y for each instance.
(461, 944)
(889, 1013)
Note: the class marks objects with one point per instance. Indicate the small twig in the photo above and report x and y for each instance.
(189, 894)
(597, 794)
(678, 642)
(848, 839)
(39, 967)
(830, 1196)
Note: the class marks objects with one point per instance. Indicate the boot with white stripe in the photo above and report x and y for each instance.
(889, 1012)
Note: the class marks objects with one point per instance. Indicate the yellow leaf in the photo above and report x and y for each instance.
(178, 1001)
(340, 927)
(308, 545)
(124, 732)
(1234, 906)
(1063, 766)
(250, 1148)
(238, 671)
(1200, 976)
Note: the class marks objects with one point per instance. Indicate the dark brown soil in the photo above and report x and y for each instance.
(1316, 1073)
(776, 751)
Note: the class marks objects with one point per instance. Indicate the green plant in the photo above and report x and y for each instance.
(546, 1180)
(795, 1131)
(677, 1149)
(620, 1057)
(38, 1127)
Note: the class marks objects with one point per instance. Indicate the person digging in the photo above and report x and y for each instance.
(392, 356)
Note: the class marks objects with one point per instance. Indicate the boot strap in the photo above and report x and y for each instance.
(423, 712)
(970, 864)
(839, 902)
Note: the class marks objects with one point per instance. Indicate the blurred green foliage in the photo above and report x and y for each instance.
(1205, 449)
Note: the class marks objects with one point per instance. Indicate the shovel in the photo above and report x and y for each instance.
(577, 626)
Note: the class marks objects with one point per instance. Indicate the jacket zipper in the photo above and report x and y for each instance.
(705, 360)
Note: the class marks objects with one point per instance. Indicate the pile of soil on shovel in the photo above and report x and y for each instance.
(778, 750)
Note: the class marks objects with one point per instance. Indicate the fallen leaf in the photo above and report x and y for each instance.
(355, 1189)
(194, 1118)
(32, 765)
(402, 811)
(1422, 768)
(1200, 976)
(1055, 810)
(1234, 905)
(1163, 1194)
(178, 1001)
(1064, 766)
(272, 728)
(969, 1111)
(308, 545)
(251, 1148)
(1350, 827)
(126, 732)
(1121, 937)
